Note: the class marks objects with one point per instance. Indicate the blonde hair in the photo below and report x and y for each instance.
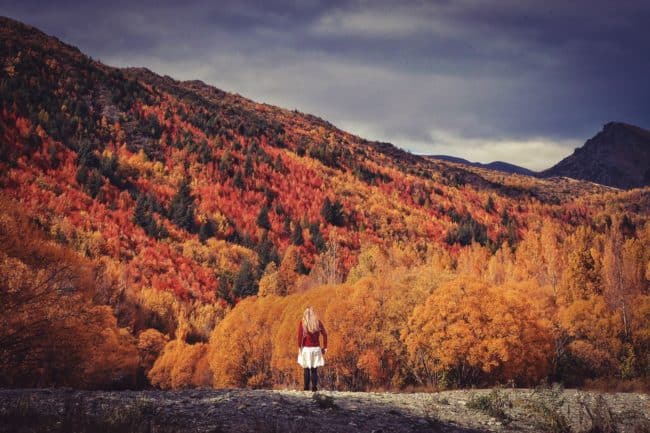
(310, 322)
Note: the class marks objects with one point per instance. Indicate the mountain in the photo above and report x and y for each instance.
(617, 156)
(128, 165)
(149, 165)
(494, 165)
(156, 232)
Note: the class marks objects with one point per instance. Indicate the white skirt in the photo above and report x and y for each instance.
(310, 357)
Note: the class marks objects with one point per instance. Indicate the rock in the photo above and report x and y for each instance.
(272, 411)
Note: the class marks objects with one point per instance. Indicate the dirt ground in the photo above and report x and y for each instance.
(239, 410)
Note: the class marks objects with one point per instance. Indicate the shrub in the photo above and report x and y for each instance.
(493, 404)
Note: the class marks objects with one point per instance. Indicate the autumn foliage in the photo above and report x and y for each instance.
(168, 234)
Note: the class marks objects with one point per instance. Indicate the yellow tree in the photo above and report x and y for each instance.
(151, 343)
(623, 274)
(327, 269)
(269, 281)
(581, 277)
(180, 366)
(473, 260)
(287, 275)
(594, 330)
(476, 333)
(240, 347)
(51, 333)
(501, 265)
(372, 260)
(550, 235)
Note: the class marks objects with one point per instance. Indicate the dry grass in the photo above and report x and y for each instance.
(493, 404)
(547, 405)
(612, 384)
(22, 416)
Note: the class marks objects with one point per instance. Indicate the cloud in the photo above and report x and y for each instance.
(516, 81)
(380, 24)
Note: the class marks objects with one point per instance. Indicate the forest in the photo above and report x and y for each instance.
(157, 233)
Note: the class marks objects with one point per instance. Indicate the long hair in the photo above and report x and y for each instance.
(310, 322)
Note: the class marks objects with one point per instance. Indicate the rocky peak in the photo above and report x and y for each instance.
(618, 156)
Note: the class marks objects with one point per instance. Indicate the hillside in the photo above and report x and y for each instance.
(252, 177)
(153, 227)
(618, 156)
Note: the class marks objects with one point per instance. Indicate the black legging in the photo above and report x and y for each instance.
(313, 374)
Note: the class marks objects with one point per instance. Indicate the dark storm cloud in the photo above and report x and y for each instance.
(520, 81)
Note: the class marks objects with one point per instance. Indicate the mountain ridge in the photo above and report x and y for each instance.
(568, 167)
(618, 156)
(503, 166)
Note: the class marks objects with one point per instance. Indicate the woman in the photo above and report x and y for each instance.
(310, 354)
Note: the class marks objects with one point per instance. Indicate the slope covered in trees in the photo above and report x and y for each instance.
(190, 219)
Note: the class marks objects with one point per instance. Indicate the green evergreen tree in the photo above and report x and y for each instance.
(317, 237)
(248, 165)
(489, 206)
(245, 283)
(300, 266)
(206, 230)
(469, 230)
(286, 227)
(332, 212)
(296, 235)
(223, 290)
(140, 213)
(326, 210)
(205, 153)
(225, 163)
(263, 218)
(95, 182)
(143, 216)
(278, 165)
(82, 175)
(505, 218)
(238, 181)
(266, 252)
(181, 208)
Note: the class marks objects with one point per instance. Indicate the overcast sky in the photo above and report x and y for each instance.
(513, 80)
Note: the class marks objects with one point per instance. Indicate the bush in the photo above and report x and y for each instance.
(493, 404)
(546, 406)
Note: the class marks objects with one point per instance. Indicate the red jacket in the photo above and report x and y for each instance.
(311, 339)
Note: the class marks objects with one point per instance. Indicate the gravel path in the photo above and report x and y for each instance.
(240, 410)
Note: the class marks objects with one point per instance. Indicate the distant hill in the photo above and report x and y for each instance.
(618, 156)
(494, 165)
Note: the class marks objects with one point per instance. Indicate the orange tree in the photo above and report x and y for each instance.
(471, 333)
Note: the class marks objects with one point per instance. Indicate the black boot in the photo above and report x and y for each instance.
(314, 379)
(306, 376)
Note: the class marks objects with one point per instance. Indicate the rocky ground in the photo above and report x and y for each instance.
(503, 410)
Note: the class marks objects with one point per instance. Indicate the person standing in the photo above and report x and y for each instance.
(310, 353)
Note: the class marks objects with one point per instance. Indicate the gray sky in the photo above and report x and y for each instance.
(519, 81)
